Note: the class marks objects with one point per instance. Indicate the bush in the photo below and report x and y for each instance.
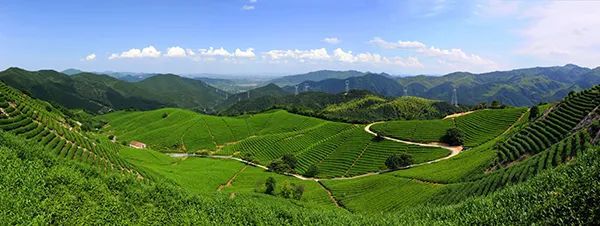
(164, 115)
(534, 112)
(270, 186)
(312, 171)
(397, 161)
(290, 160)
(291, 190)
(280, 166)
(111, 137)
(454, 137)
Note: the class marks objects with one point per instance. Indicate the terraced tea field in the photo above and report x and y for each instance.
(478, 127)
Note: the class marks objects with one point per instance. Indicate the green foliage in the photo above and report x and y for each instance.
(398, 161)
(164, 115)
(534, 112)
(312, 171)
(290, 160)
(453, 137)
(270, 185)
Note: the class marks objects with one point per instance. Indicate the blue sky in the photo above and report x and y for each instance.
(260, 37)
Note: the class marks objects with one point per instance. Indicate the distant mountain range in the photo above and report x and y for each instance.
(96, 92)
(521, 87)
(315, 77)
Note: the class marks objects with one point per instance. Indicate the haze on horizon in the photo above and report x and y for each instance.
(268, 37)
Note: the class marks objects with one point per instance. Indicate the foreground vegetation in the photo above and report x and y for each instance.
(46, 190)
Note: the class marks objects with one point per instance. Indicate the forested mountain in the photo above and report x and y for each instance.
(381, 84)
(315, 76)
(520, 87)
(101, 93)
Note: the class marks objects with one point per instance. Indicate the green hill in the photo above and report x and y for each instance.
(357, 106)
(102, 93)
(478, 127)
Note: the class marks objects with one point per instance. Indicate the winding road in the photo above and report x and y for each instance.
(454, 150)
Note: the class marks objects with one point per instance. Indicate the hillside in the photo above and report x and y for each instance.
(356, 106)
(479, 182)
(102, 93)
(315, 76)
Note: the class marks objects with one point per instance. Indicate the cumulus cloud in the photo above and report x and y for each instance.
(453, 56)
(311, 54)
(248, 53)
(373, 58)
(248, 7)
(176, 52)
(212, 52)
(338, 55)
(332, 40)
(149, 51)
(396, 45)
(90, 57)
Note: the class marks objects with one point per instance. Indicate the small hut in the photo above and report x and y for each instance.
(137, 145)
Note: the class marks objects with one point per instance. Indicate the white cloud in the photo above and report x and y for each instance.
(248, 53)
(453, 56)
(252, 1)
(396, 45)
(312, 54)
(373, 58)
(149, 51)
(563, 32)
(248, 7)
(90, 57)
(332, 40)
(497, 8)
(212, 52)
(176, 52)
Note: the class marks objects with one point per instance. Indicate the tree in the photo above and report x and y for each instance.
(495, 104)
(397, 161)
(534, 112)
(280, 166)
(290, 160)
(312, 171)
(453, 137)
(164, 115)
(298, 191)
(111, 137)
(270, 186)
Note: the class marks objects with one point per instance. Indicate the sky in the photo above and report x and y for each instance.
(278, 37)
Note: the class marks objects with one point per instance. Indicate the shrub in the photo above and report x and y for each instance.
(453, 137)
(397, 161)
(111, 137)
(270, 186)
(534, 112)
(280, 166)
(312, 171)
(290, 160)
(164, 115)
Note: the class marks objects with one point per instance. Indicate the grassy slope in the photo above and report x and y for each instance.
(478, 127)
